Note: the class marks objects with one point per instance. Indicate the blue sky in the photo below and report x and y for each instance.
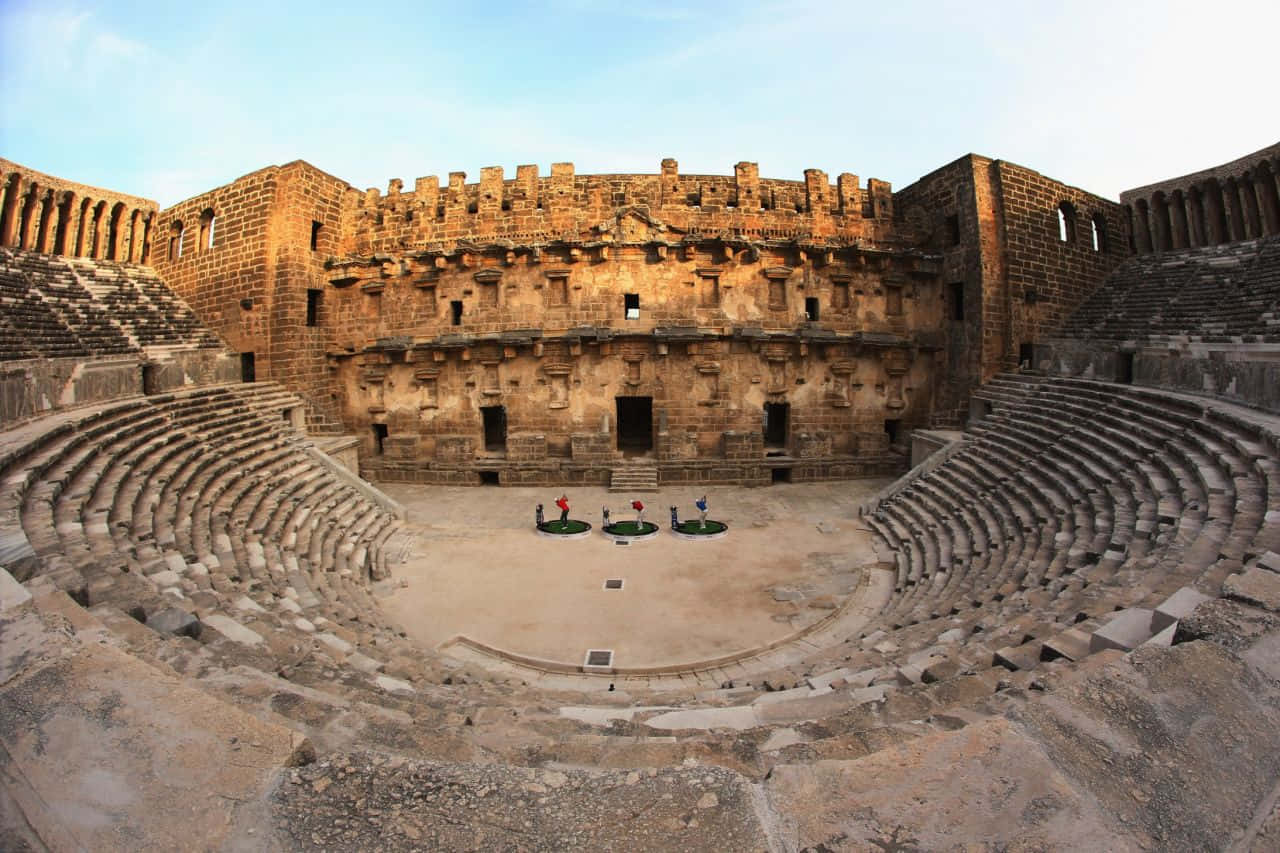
(169, 100)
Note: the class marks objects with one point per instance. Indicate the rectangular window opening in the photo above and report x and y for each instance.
(957, 300)
(315, 235)
(313, 307)
(631, 305)
(953, 230)
(489, 478)
(811, 309)
(455, 312)
(248, 372)
(379, 437)
(780, 475)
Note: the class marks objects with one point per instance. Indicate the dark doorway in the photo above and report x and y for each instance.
(776, 416)
(150, 378)
(892, 429)
(489, 478)
(780, 475)
(379, 437)
(455, 312)
(495, 428)
(1027, 355)
(635, 424)
(1124, 367)
(811, 309)
(248, 372)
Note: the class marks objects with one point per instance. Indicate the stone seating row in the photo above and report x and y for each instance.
(149, 503)
(1085, 496)
(76, 307)
(61, 316)
(152, 313)
(1212, 294)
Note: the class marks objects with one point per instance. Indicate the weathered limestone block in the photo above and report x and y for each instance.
(812, 445)
(1127, 630)
(1256, 586)
(675, 444)
(743, 445)
(526, 447)
(1175, 607)
(592, 446)
(455, 448)
(400, 447)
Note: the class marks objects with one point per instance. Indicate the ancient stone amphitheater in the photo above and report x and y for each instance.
(1069, 639)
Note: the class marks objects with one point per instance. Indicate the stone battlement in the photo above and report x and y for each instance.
(532, 208)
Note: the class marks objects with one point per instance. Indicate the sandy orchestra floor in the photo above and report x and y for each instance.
(478, 569)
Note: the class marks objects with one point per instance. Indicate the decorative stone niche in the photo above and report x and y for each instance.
(427, 380)
(558, 379)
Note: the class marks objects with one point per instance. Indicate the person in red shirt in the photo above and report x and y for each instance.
(639, 508)
(563, 503)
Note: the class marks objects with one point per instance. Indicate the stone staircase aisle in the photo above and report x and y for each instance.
(634, 478)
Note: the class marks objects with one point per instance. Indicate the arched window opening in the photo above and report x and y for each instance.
(175, 241)
(1098, 225)
(206, 230)
(1066, 222)
(113, 232)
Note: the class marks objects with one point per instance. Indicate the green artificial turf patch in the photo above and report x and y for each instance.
(630, 528)
(691, 528)
(570, 526)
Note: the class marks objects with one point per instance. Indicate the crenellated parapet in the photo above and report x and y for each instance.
(532, 209)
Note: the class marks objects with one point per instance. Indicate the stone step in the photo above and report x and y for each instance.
(634, 478)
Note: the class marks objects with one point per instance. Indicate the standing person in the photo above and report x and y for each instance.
(563, 503)
(701, 504)
(639, 508)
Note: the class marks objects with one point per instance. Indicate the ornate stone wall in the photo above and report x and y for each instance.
(553, 298)
(504, 326)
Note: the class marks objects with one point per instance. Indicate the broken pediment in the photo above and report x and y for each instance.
(634, 225)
